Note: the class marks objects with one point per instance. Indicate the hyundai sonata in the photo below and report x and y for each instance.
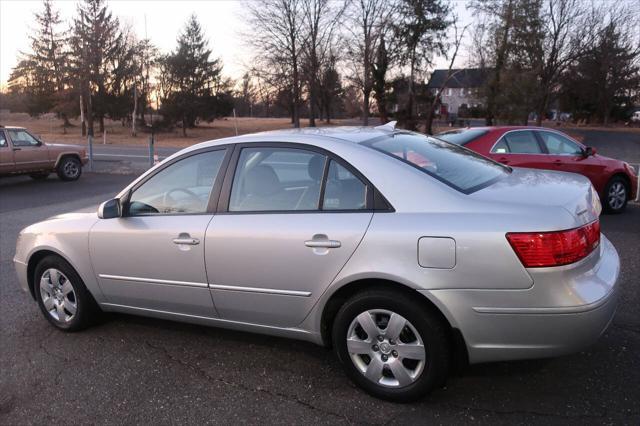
(398, 250)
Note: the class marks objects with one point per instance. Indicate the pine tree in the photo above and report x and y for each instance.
(96, 43)
(41, 73)
(191, 82)
(380, 67)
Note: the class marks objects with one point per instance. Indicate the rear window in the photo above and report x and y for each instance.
(460, 168)
(461, 136)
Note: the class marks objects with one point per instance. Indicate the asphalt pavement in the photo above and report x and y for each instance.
(136, 370)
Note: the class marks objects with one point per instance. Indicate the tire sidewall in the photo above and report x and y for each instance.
(608, 208)
(84, 300)
(61, 166)
(429, 326)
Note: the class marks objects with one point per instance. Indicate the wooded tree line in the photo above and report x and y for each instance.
(316, 59)
(97, 68)
(580, 57)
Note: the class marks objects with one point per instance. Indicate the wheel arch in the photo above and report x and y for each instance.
(342, 294)
(33, 261)
(66, 154)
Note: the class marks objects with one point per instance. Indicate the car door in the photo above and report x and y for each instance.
(289, 219)
(568, 156)
(6, 155)
(519, 148)
(153, 256)
(29, 154)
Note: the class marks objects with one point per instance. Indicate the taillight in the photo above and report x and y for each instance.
(540, 249)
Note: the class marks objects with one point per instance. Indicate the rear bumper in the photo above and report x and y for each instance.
(566, 310)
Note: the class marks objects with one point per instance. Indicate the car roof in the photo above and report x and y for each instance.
(355, 134)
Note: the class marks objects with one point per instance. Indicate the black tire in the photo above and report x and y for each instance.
(432, 330)
(39, 175)
(69, 168)
(87, 310)
(610, 204)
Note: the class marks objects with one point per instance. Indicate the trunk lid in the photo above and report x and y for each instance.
(538, 188)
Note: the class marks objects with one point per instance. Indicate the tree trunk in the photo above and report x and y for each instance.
(82, 119)
(365, 107)
(101, 123)
(312, 107)
(296, 93)
(90, 115)
(133, 114)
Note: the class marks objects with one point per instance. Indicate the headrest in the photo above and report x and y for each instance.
(261, 180)
(316, 167)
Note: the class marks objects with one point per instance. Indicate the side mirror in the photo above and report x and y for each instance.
(589, 151)
(110, 209)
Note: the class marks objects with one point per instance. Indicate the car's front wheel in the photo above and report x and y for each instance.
(615, 196)
(390, 345)
(69, 168)
(62, 296)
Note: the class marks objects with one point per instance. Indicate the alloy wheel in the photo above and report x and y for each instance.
(58, 295)
(71, 169)
(386, 348)
(617, 195)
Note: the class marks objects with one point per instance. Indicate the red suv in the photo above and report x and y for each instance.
(540, 148)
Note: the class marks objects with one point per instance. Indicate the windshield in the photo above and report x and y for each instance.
(460, 168)
(461, 136)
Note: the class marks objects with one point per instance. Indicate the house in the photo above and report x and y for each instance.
(462, 88)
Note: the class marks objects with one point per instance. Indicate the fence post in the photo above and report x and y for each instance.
(90, 142)
(151, 161)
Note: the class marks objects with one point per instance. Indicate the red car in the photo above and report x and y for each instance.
(540, 148)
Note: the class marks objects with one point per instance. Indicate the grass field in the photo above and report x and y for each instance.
(49, 128)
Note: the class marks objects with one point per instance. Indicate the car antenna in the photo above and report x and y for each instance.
(390, 126)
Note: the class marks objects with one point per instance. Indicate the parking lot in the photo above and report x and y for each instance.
(138, 370)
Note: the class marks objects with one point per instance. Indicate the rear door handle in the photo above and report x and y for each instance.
(186, 240)
(323, 243)
(503, 160)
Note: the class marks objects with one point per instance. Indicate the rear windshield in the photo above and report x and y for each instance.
(460, 168)
(461, 136)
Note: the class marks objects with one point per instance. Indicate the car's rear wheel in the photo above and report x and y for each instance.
(615, 195)
(69, 168)
(39, 175)
(62, 296)
(393, 347)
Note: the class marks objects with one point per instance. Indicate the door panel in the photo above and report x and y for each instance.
(138, 263)
(272, 268)
(6, 155)
(28, 152)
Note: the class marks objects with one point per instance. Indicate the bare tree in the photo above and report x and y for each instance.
(366, 19)
(277, 39)
(458, 36)
(320, 18)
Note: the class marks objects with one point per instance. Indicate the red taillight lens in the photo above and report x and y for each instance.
(540, 249)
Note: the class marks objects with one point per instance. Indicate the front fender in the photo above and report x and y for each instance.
(67, 237)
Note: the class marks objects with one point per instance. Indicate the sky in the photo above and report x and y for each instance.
(222, 20)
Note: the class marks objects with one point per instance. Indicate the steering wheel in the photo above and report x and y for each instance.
(167, 199)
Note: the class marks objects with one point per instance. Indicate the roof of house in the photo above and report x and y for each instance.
(468, 77)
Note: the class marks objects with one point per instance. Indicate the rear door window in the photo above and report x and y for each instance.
(521, 142)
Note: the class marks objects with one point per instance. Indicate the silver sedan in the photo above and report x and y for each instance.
(400, 251)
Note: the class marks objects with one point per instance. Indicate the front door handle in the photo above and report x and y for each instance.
(323, 243)
(186, 239)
